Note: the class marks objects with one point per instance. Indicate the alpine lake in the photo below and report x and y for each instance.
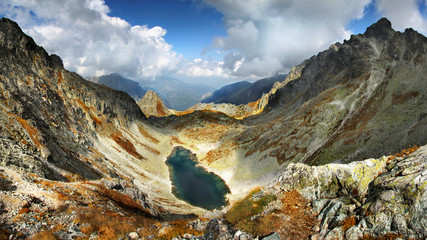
(193, 183)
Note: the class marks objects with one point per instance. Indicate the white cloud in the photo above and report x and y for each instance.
(91, 42)
(263, 37)
(270, 36)
(403, 14)
(202, 68)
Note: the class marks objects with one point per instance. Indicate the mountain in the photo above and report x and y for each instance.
(178, 95)
(81, 160)
(67, 143)
(242, 92)
(152, 104)
(217, 95)
(354, 99)
(117, 82)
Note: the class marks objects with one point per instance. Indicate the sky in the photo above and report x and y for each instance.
(204, 41)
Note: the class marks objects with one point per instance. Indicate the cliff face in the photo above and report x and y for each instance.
(50, 114)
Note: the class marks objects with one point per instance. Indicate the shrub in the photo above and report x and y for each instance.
(109, 224)
(45, 235)
(241, 212)
(179, 228)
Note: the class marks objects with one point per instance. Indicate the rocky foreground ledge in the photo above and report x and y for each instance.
(377, 197)
(373, 199)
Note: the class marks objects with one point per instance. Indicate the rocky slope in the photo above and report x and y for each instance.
(58, 126)
(355, 99)
(358, 99)
(152, 104)
(71, 149)
(117, 82)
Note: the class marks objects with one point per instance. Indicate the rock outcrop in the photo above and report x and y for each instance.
(152, 104)
(375, 197)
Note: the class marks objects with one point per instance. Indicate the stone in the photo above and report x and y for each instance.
(133, 235)
(335, 234)
(237, 234)
(274, 236)
(187, 236)
(353, 233)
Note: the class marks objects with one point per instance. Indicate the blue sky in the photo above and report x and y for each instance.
(239, 39)
(190, 26)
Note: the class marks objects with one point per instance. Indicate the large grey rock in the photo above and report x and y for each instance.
(273, 236)
(353, 233)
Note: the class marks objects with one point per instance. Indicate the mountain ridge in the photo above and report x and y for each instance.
(242, 94)
(117, 82)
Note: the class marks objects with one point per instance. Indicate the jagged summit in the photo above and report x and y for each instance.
(380, 29)
(152, 104)
(14, 40)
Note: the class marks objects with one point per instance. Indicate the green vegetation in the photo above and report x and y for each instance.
(240, 213)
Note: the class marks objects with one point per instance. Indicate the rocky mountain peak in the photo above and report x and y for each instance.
(151, 104)
(380, 29)
(13, 40)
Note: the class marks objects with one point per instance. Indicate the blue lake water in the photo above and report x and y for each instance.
(194, 184)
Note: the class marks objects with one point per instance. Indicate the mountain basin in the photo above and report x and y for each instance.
(193, 183)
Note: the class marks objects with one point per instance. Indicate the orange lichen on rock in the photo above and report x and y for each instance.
(150, 149)
(159, 108)
(404, 153)
(254, 104)
(126, 144)
(96, 120)
(60, 78)
(145, 134)
(175, 140)
(348, 223)
(82, 105)
(216, 154)
(32, 131)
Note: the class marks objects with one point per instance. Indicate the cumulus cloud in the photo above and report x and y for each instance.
(262, 37)
(203, 68)
(90, 41)
(403, 15)
(271, 36)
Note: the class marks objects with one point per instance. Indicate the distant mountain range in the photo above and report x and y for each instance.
(176, 94)
(243, 92)
(117, 82)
